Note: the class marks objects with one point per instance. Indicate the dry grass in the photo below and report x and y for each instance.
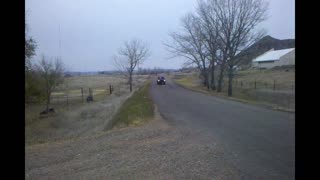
(284, 79)
(187, 81)
(283, 98)
(77, 118)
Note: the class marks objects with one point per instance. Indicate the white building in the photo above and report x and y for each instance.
(274, 58)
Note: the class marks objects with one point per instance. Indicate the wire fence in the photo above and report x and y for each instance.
(273, 92)
(81, 95)
(74, 96)
(276, 92)
(288, 87)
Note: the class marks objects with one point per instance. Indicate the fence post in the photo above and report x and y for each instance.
(67, 99)
(89, 95)
(82, 94)
(90, 92)
(110, 88)
(241, 84)
(274, 85)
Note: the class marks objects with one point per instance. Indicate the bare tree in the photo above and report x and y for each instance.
(237, 22)
(30, 46)
(132, 54)
(191, 44)
(52, 72)
(31, 84)
(210, 34)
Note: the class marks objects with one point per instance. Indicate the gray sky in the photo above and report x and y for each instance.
(91, 31)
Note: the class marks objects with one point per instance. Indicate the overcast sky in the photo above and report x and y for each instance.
(91, 31)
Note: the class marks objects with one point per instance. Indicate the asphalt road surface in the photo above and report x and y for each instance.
(256, 142)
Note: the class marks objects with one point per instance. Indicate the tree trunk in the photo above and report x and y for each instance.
(48, 102)
(230, 78)
(48, 96)
(213, 85)
(220, 79)
(206, 79)
(130, 82)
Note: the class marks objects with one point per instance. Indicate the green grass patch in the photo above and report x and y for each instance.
(135, 111)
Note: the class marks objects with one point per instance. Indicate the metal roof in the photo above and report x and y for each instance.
(273, 55)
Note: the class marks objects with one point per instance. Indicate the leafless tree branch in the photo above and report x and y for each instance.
(132, 54)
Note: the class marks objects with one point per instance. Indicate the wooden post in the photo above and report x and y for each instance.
(241, 84)
(110, 88)
(82, 94)
(274, 85)
(90, 92)
(89, 95)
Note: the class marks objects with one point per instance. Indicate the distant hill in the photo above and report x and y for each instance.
(263, 45)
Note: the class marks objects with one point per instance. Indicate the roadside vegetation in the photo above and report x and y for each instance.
(137, 110)
(74, 118)
(273, 87)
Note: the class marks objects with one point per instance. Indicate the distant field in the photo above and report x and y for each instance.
(275, 87)
(78, 118)
(99, 82)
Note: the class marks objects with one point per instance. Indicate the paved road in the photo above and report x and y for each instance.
(259, 143)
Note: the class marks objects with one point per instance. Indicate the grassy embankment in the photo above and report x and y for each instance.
(136, 110)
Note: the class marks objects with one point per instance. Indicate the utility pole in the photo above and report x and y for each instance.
(59, 36)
